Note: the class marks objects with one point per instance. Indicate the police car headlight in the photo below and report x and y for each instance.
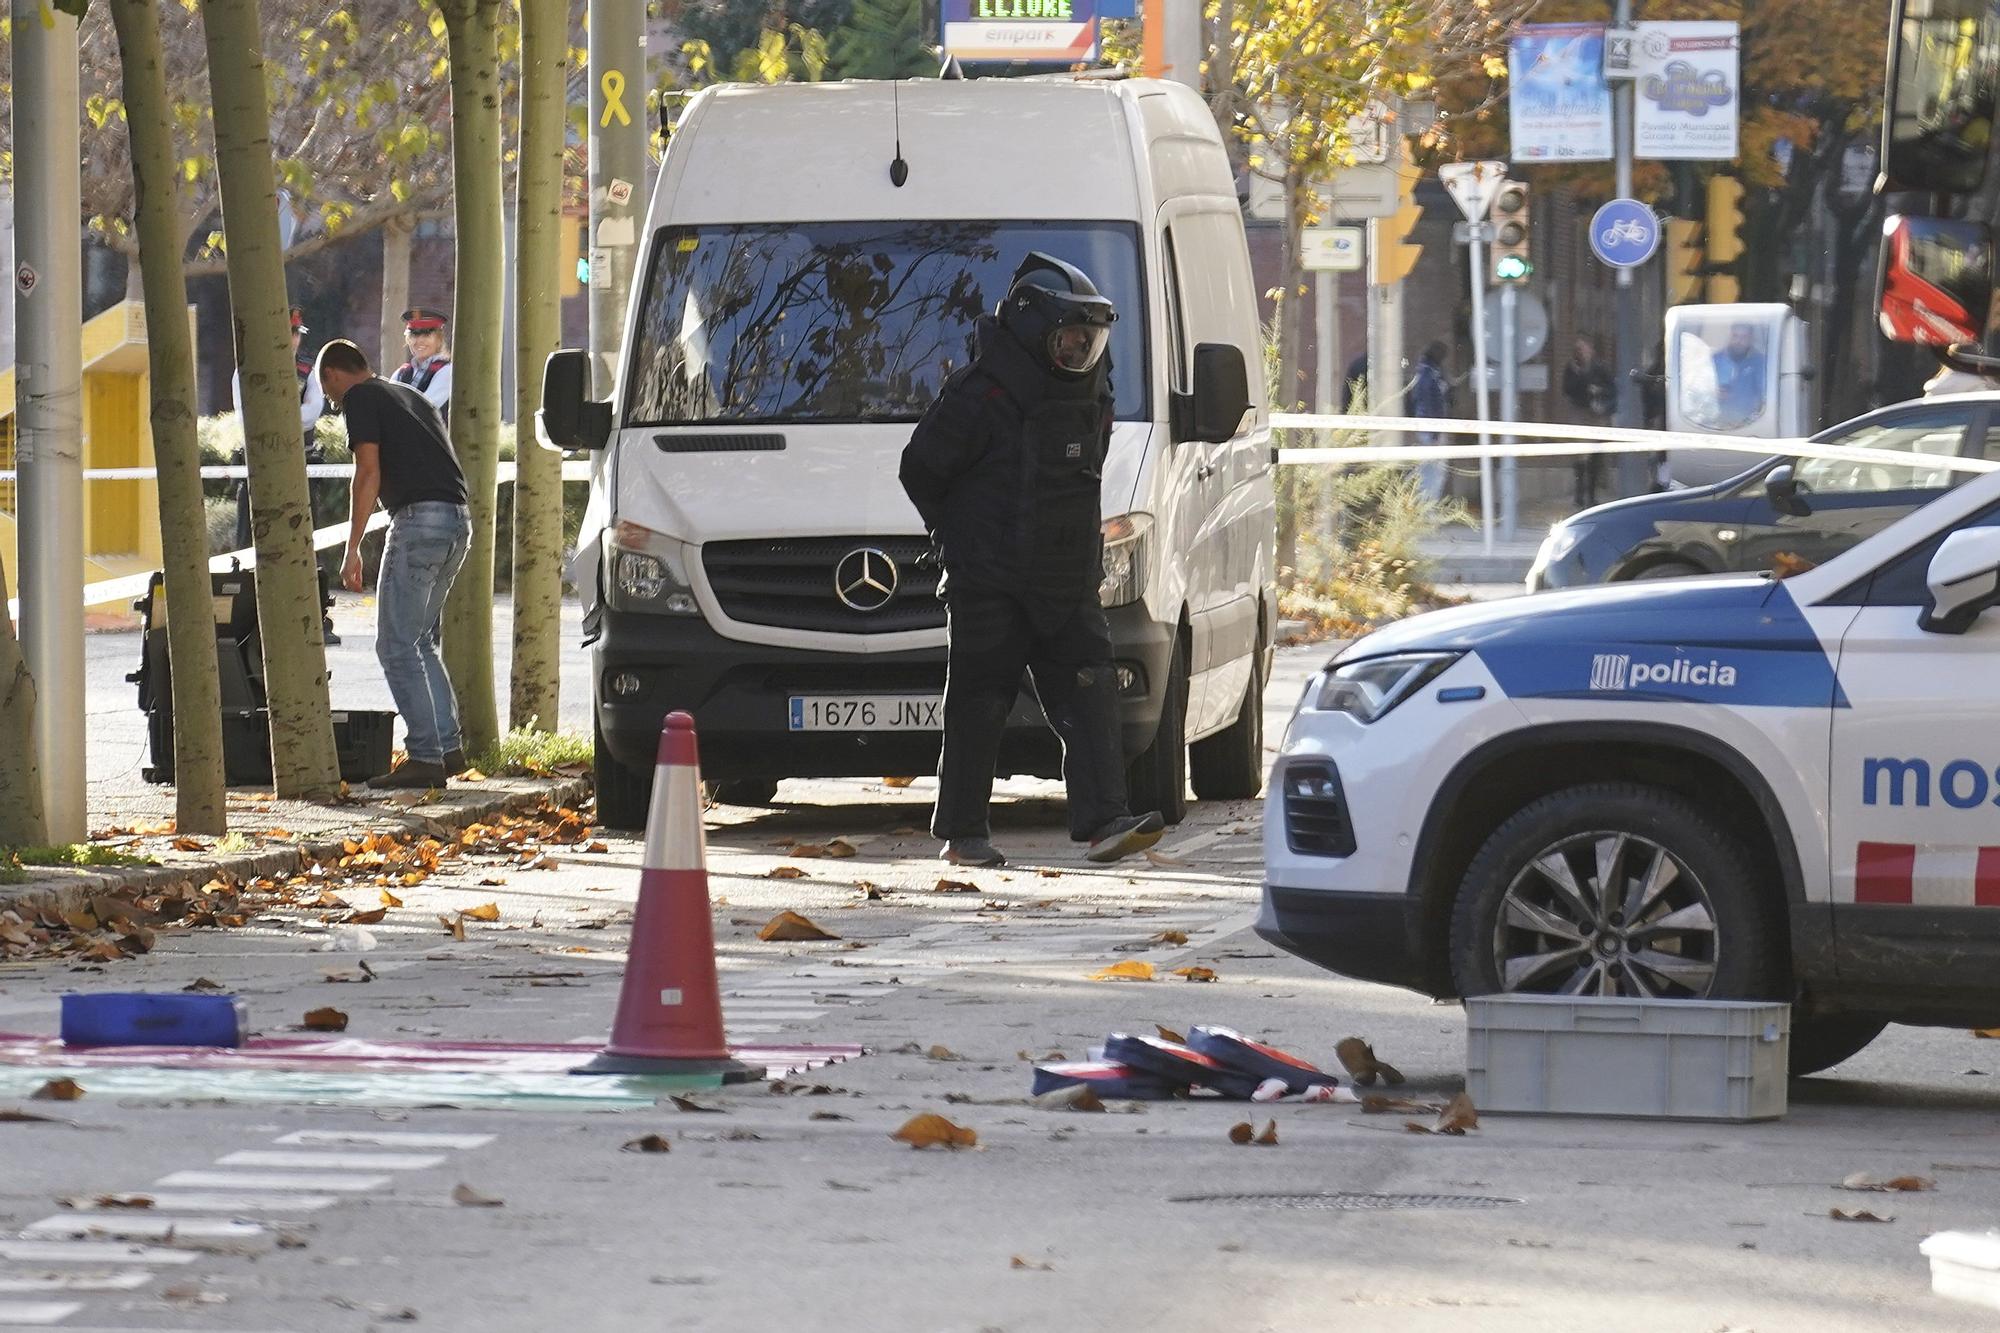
(1368, 689)
(1125, 543)
(1562, 539)
(649, 572)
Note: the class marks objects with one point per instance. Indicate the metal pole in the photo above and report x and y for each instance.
(1385, 321)
(1477, 251)
(1510, 406)
(1632, 468)
(48, 377)
(1326, 340)
(1184, 45)
(618, 133)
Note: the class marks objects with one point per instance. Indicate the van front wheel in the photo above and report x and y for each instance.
(1229, 766)
(1157, 779)
(624, 795)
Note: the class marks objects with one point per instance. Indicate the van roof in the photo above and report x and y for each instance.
(976, 149)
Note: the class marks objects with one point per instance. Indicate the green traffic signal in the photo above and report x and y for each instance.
(1512, 268)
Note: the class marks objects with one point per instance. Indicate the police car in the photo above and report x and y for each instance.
(1729, 787)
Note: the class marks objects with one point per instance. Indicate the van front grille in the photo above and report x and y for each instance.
(796, 583)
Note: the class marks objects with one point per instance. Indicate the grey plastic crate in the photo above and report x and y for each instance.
(1679, 1059)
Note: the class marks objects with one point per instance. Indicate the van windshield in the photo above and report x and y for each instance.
(836, 322)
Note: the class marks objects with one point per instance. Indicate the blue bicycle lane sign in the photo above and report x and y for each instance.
(1624, 233)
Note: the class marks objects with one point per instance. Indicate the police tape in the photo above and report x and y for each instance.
(1561, 440)
(572, 470)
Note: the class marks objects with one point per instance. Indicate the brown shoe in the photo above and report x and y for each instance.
(412, 774)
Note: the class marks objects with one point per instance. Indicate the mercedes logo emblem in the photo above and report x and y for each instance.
(865, 579)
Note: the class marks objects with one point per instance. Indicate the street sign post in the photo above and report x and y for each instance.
(1474, 186)
(1624, 233)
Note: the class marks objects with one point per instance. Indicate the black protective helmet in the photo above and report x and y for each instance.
(1057, 314)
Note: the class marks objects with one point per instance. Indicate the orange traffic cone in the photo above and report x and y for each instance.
(670, 1008)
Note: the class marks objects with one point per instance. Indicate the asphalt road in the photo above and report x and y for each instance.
(799, 1212)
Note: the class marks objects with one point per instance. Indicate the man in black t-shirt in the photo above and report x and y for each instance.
(403, 456)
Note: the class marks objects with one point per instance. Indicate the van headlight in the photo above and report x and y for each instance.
(1125, 542)
(1367, 689)
(1562, 539)
(649, 572)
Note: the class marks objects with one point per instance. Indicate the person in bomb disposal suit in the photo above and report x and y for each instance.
(1005, 469)
(428, 370)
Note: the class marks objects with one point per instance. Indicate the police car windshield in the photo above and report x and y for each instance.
(837, 322)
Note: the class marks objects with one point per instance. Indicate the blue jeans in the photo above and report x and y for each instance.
(426, 547)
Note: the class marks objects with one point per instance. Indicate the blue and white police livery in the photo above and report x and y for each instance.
(1732, 787)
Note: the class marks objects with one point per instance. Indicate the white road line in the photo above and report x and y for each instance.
(127, 1279)
(90, 1252)
(23, 1313)
(371, 1138)
(773, 1012)
(120, 1226)
(334, 1161)
(270, 1180)
(240, 1205)
(751, 1029)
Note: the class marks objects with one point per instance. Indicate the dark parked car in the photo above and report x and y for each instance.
(1780, 513)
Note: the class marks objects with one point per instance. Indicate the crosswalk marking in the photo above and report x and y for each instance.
(239, 1204)
(261, 1180)
(90, 1252)
(120, 1226)
(380, 1138)
(22, 1313)
(335, 1161)
(127, 1279)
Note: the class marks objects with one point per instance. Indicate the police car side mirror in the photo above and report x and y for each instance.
(569, 419)
(1213, 410)
(1782, 489)
(1964, 580)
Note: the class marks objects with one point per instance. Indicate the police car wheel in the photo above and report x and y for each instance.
(1614, 890)
(1821, 1042)
(623, 795)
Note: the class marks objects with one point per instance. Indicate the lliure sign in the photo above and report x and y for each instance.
(1044, 32)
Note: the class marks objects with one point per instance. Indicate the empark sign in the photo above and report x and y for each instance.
(1049, 32)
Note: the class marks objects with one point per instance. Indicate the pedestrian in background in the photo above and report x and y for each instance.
(1006, 469)
(403, 456)
(428, 370)
(1430, 396)
(1588, 386)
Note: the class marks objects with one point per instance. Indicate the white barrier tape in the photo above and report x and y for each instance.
(1596, 440)
(572, 470)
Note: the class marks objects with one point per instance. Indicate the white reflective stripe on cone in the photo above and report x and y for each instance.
(674, 837)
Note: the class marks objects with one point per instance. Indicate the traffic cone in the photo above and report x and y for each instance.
(670, 1008)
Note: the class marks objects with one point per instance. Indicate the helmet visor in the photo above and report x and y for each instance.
(1077, 347)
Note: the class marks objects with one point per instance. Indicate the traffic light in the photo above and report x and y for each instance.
(1510, 234)
(1725, 237)
(1685, 259)
(1395, 254)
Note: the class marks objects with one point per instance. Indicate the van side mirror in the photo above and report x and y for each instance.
(569, 419)
(1214, 410)
(1964, 580)
(1782, 489)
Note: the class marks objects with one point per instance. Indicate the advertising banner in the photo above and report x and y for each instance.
(1558, 103)
(1046, 32)
(1687, 91)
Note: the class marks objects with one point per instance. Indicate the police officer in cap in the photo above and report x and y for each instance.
(428, 370)
(1005, 469)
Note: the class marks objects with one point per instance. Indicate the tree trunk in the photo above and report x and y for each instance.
(396, 234)
(538, 495)
(303, 760)
(1288, 293)
(472, 29)
(200, 801)
(23, 820)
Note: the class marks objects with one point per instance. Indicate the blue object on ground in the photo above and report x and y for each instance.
(152, 1020)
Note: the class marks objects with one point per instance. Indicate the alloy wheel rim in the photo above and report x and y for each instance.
(1609, 914)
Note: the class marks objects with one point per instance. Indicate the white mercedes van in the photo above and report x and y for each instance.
(812, 264)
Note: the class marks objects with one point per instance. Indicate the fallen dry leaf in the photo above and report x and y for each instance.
(185, 844)
(325, 1020)
(649, 1143)
(828, 1115)
(1861, 1180)
(367, 918)
(1196, 973)
(110, 1201)
(1046, 873)
(1988, 1033)
(691, 1105)
(931, 1130)
(1359, 1058)
(1076, 1097)
(483, 912)
(1020, 1265)
(454, 926)
(954, 886)
(942, 1053)
(786, 927)
(1376, 1104)
(390, 900)
(1242, 1132)
(1129, 970)
(58, 1090)
(467, 1197)
(1163, 860)
(1459, 1115)
(200, 984)
(1168, 1034)
(840, 849)
(1858, 1215)
(1269, 1138)
(785, 872)
(897, 783)
(14, 1115)
(1170, 937)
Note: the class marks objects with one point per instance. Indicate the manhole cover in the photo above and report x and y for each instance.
(1350, 1202)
